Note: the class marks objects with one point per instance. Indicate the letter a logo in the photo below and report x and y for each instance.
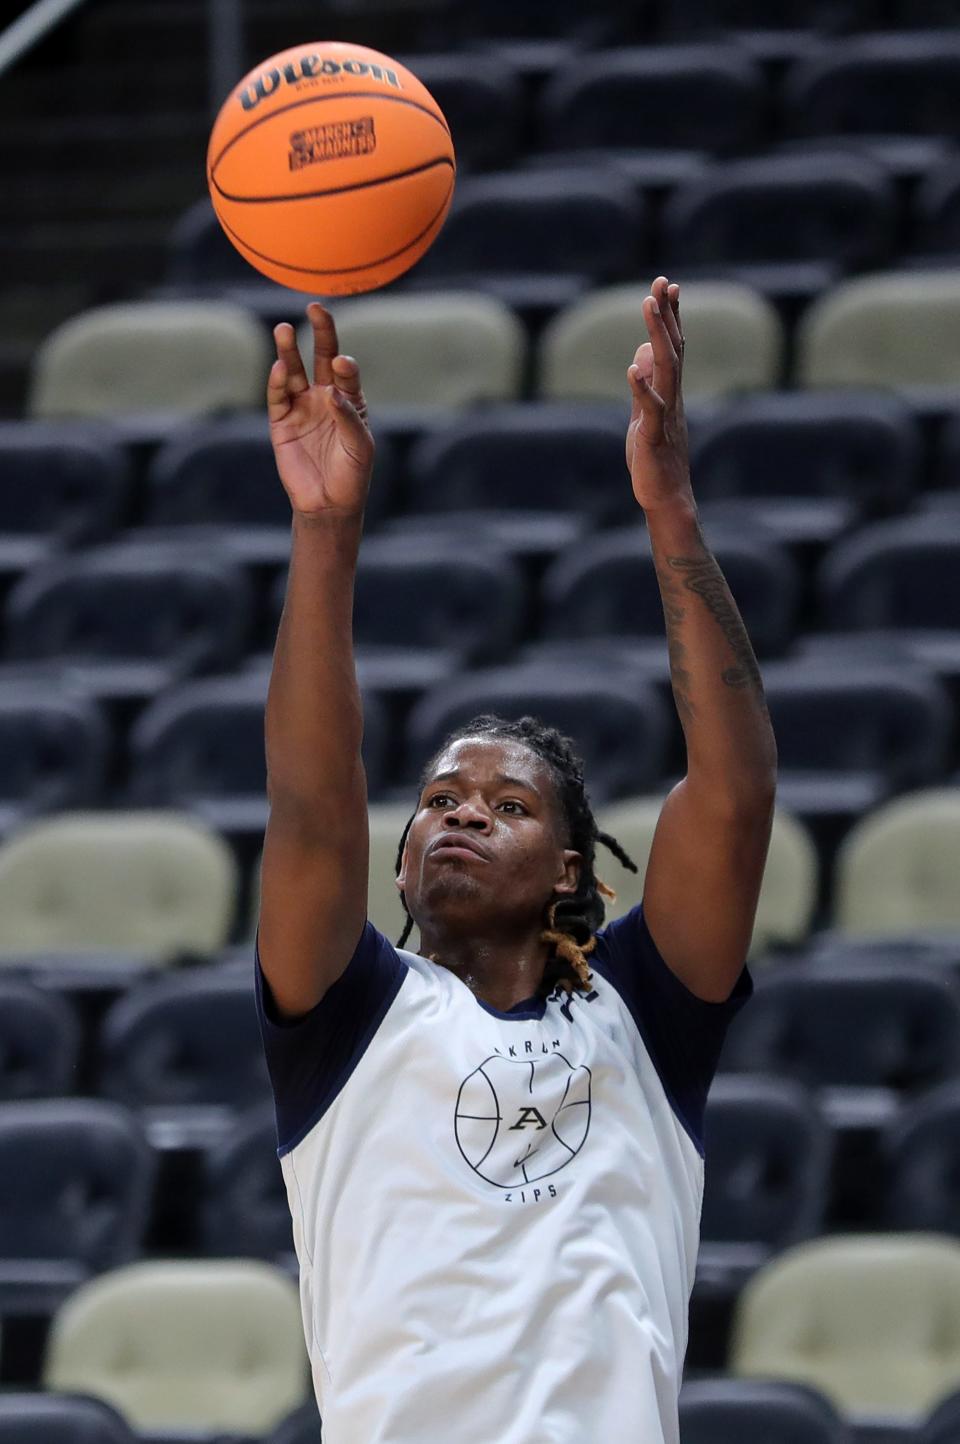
(529, 1115)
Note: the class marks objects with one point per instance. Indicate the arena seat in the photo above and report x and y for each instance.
(200, 748)
(303, 1427)
(502, 231)
(64, 485)
(665, 97)
(847, 1026)
(606, 586)
(158, 1050)
(39, 1042)
(170, 1342)
(734, 343)
(898, 329)
(899, 574)
(942, 1424)
(896, 870)
(787, 894)
(54, 752)
(879, 86)
(767, 1170)
(223, 472)
(432, 352)
(128, 619)
(725, 1410)
(872, 1320)
(201, 258)
(78, 1188)
(151, 884)
(482, 101)
(947, 466)
(850, 733)
(809, 464)
(136, 357)
(547, 469)
(921, 1156)
(621, 729)
(935, 211)
(791, 225)
(243, 1209)
(31, 1417)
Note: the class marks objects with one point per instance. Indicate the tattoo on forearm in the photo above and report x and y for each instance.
(703, 576)
(673, 612)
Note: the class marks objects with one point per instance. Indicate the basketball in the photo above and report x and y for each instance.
(331, 168)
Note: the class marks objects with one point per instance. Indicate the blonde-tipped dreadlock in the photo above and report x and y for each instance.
(572, 921)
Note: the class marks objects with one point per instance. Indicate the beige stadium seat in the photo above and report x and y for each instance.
(733, 334)
(898, 868)
(432, 349)
(790, 882)
(871, 1320)
(384, 908)
(150, 883)
(899, 329)
(206, 1346)
(140, 357)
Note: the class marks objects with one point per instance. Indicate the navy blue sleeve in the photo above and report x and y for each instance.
(683, 1034)
(311, 1057)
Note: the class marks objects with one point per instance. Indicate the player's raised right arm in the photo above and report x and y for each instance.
(315, 855)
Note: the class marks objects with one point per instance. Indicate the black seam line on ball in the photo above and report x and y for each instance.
(318, 99)
(338, 270)
(337, 190)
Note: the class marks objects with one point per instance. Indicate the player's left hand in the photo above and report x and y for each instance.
(657, 434)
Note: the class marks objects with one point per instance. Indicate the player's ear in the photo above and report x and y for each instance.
(568, 872)
(401, 878)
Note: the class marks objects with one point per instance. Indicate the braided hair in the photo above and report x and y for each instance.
(572, 920)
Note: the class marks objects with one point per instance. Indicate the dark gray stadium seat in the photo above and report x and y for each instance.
(201, 747)
(64, 484)
(921, 1154)
(850, 1026)
(543, 470)
(243, 1208)
(943, 1424)
(768, 1156)
(851, 732)
(607, 587)
(620, 729)
(899, 575)
(127, 620)
(47, 1418)
(482, 102)
(758, 1411)
(505, 231)
(935, 209)
(789, 223)
(78, 1185)
(301, 1427)
(684, 97)
(880, 86)
(809, 464)
(39, 1042)
(223, 472)
(187, 1039)
(200, 255)
(54, 751)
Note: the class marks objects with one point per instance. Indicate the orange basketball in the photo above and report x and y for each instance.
(331, 168)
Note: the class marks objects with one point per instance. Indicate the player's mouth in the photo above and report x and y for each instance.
(449, 846)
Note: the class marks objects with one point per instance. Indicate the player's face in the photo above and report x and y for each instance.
(496, 799)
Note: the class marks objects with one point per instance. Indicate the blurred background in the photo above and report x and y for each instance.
(796, 168)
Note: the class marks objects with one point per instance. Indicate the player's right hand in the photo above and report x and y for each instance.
(321, 440)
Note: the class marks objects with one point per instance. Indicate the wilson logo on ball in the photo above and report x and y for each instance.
(307, 67)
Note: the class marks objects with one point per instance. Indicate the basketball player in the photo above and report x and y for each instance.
(492, 1146)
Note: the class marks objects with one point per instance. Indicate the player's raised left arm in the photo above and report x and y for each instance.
(710, 846)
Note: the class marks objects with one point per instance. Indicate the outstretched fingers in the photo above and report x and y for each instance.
(325, 344)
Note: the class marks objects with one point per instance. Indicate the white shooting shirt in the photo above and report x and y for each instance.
(496, 1214)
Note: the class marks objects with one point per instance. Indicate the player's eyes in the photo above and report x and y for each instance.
(445, 797)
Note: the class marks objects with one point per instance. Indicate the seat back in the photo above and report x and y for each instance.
(78, 1181)
(921, 1155)
(170, 1343)
(896, 869)
(39, 1042)
(35, 1418)
(893, 84)
(894, 574)
(54, 749)
(194, 357)
(66, 481)
(152, 883)
(244, 1209)
(757, 1411)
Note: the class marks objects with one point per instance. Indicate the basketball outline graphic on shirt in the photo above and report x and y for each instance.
(503, 1098)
